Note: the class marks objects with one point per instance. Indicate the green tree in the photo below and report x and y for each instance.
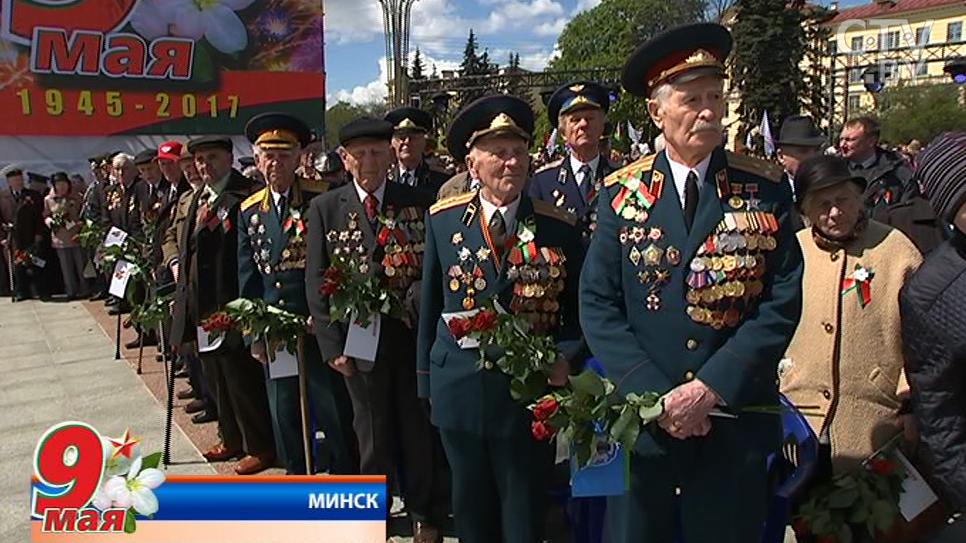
(471, 59)
(771, 41)
(921, 112)
(416, 71)
(342, 112)
(607, 34)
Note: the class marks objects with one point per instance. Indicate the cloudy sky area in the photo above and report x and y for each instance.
(355, 50)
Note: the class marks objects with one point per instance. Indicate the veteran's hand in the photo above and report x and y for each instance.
(343, 364)
(558, 372)
(688, 405)
(910, 428)
(259, 353)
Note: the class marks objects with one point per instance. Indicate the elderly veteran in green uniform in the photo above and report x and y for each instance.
(577, 109)
(473, 254)
(271, 267)
(410, 136)
(692, 289)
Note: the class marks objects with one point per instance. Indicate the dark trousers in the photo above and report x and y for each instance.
(27, 281)
(724, 492)
(72, 269)
(499, 487)
(329, 410)
(387, 413)
(196, 378)
(237, 382)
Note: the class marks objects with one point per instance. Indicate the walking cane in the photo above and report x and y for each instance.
(117, 342)
(140, 351)
(304, 406)
(13, 291)
(169, 378)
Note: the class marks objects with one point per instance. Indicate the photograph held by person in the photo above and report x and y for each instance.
(891, 195)
(657, 320)
(846, 355)
(62, 215)
(500, 473)
(207, 280)
(410, 141)
(271, 267)
(21, 217)
(572, 183)
(933, 309)
(387, 415)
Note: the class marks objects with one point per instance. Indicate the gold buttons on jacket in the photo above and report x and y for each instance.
(278, 284)
(488, 365)
(827, 395)
(828, 327)
(691, 344)
(689, 376)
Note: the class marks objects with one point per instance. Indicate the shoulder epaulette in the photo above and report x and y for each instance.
(255, 198)
(641, 164)
(550, 210)
(549, 165)
(761, 168)
(452, 201)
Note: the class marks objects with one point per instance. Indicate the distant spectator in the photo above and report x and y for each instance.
(62, 216)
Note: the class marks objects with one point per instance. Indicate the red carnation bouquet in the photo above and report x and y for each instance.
(21, 257)
(509, 343)
(217, 324)
(355, 295)
(854, 506)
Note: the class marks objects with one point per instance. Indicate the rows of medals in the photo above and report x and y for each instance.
(725, 274)
(348, 244)
(653, 274)
(536, 285)
(402, 238)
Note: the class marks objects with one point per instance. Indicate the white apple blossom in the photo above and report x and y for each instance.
(149, 21)
(101, 500)
(215, 20)
(134, 490)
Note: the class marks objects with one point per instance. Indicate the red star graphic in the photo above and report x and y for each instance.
(123, 447)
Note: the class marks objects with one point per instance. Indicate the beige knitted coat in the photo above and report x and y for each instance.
(844, 358)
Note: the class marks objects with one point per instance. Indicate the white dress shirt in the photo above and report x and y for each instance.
(679, 173)
(380, 194)
(276, 196)
(576, 164)
(509, 212)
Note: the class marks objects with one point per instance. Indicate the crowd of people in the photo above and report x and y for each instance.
(712, 278)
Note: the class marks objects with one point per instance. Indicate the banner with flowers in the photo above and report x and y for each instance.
(102, 67)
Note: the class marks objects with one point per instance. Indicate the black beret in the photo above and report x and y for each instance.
(499, 114)
(410, 119)
(145, 156)
(822, 171)
(677, 55)
(210, 141)
(365, 128)
(577, 95)
(277, 131)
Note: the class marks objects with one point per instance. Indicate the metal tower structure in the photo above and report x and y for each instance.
(396, 24)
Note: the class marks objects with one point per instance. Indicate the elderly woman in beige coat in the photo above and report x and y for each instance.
(61, 214)
(846, 355)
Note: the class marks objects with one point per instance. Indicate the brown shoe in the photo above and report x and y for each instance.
(254, 464)
(220, 453)
(423, 532)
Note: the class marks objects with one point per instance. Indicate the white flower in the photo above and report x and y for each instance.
(861, 275)
(101, 500)
(148, 20)
(526, 235)
(215, 20)
(135, 489)
(120, 464)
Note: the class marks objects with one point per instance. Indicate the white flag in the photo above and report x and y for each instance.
(766, 134)
(633, 134)
(552, 142)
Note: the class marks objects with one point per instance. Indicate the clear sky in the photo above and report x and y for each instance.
(355, 50)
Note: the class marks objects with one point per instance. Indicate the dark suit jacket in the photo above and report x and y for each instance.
(24, 215)
(557, 183)
(208, 260)
(122, 207)
(465, 398)
(330, 213)
(427, 178)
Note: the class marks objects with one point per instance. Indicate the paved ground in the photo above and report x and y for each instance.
(58, 365)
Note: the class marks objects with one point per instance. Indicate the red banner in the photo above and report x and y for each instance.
(101, 67)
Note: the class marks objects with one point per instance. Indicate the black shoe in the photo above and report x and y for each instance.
(203, 417)
(194, 406)
(98, 296)
(183, 374)
(150, 340)
(118, 310)
(187, 394)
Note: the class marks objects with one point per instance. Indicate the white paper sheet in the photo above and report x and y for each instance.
(285, 364)
(120, 278)
(916, 495)
(363, 342)
(115, 236)
(37, 261)
(204, 346)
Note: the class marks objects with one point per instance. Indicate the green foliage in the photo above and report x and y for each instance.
(355, 294)
(920, 112)
(266, 323)
(416, 71)
(770, 43)
(607, 34)
(341, 113)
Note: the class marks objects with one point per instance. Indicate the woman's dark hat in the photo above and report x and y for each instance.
(823, 171)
